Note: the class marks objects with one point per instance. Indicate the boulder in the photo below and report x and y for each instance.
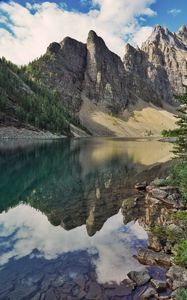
(150, 257)
(150, 292)
(141, 186)
(159, 285)
(177, 277)
(158, 193)
(139, 277)
(154, 242)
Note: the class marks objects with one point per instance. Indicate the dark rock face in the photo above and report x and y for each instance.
(105, 75)
(91, 71)
(62, 68)
(53, 48)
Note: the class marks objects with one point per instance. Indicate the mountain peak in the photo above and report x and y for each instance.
(159, 32)
(182, 29)
(92, 34)
(53, 48)
(94, 38)
(182, 34)
(162, 36)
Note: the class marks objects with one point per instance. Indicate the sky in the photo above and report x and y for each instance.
(27, 27)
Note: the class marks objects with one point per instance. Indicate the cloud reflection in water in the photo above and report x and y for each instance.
(24, 229)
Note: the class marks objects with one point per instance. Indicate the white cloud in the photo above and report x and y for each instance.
(33, 231)
(32, 32)
(174, 12)
(141, 35)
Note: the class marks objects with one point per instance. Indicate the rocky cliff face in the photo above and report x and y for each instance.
(78, 71)
(62, 68)
(160, 65)
(104, 81)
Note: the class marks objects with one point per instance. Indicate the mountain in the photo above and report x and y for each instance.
(106, 93)
(93, 87)
(161, 63)
(29, 106)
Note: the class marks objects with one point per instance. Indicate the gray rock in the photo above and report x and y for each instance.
(94, 291)
(177, 277)
(91, 71)
(139, 277)
(159, 285)
(104, 76)
(158, 193)
(141, 186)
(59, 281)
(50, 295)
(80, 281)
(150, 257)
(159, 65)
(22, 292)
(154, 242)
(150, 292)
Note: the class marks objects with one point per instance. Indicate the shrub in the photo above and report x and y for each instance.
(178, 177)
(182, 294)
(181, 253)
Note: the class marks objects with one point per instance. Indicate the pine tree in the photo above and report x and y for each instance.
(180, 148)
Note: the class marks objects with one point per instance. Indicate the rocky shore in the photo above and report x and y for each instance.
(25, 133)
(163, 234)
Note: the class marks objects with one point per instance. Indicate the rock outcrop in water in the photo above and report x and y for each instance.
(91, 71)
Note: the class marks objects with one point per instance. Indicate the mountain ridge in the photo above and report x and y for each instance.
(90, 79)
(97, 63)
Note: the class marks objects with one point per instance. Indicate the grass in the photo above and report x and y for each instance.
(182, 294)
(165, 233)
(181, 254)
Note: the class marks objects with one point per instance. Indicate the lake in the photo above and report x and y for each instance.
(69, 228)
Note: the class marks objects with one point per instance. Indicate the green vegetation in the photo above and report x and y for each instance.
(181, 253)
(29, 102)
(180, 133)
(170, 133)
(181, 216)
(178, 177)
(166, 233)
(182, 294)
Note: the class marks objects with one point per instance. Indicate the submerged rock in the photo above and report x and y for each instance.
(140, 278)
(150, 292)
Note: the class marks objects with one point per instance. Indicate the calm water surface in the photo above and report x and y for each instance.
(66, 231)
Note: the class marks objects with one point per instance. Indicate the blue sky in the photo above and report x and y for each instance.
(172, 20)
(28, 26)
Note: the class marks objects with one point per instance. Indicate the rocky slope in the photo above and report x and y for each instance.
(159, 66)
(107, 95)
(91, 78)
(153, 73)
(29, 110)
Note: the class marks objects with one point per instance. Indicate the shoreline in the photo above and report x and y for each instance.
(13, 133)
(163, 203)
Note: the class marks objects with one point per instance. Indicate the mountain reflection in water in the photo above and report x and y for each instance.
(60, 202)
